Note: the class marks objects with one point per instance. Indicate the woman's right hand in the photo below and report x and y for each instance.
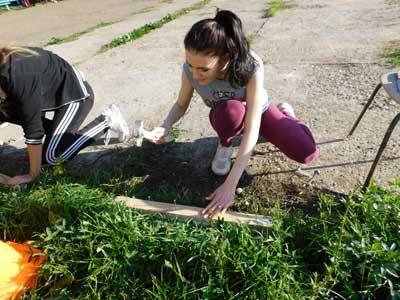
(159, 135)
(21, 179)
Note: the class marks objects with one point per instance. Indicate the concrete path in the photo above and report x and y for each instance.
(325, 58)
(38, 24)
(85, 48)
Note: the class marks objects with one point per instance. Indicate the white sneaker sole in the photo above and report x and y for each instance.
(220, 172)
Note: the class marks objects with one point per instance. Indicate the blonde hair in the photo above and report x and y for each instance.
(7, 50)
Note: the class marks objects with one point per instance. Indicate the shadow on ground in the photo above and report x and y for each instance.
(179, 172)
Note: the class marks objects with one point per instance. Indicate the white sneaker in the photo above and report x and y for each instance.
(286, 108)
(117, 122)
(221, 163)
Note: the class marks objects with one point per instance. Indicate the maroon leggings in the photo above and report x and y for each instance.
(289, 134)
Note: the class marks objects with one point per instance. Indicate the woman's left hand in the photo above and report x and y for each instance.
(221, 200)
(20, 179)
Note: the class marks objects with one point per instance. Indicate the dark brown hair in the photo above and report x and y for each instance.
(220, 36)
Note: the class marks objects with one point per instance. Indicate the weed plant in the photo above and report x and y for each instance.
(139, 32)
(392, 54)
(276, 6)
(75, 36)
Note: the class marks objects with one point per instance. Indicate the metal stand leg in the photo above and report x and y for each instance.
(381, 148)
(371, 98)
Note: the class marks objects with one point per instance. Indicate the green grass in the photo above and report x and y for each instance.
(276, 6)
(75, 36)
(139, 32)
(392, 2)
(251, 37)
(12, 8)
(175, 132)
(97, 249)
(392, 54)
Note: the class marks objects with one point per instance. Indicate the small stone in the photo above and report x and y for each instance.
(239, 191)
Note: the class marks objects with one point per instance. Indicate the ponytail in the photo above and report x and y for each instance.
(220, 36)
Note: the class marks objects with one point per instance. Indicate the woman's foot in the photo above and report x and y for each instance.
(286, 108)
(117, 122)
(221, 163)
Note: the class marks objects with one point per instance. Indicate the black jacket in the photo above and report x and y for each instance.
(37, 83)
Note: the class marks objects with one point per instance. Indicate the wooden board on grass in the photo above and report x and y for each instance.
(192, 212)
(4, 179)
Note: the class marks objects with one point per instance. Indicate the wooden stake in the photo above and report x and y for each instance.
(184, 211)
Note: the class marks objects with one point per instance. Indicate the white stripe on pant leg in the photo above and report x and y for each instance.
(60, 130)
(79, 76)
(57, 136)
(89, 134)
(66, 156)
(83, 139)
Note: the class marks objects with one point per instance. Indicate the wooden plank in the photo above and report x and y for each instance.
(4, 179)
(192, 212)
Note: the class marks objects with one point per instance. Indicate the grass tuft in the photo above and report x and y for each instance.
(276, 6)
(139, 32)
(251, 37)
(75, 36)
(392, 54)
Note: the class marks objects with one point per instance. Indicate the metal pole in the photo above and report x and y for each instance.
(365, 109)
(381, 148)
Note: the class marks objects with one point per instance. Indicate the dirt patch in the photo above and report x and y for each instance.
(157, 173)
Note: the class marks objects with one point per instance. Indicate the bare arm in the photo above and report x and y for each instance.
(181, 105)
(176, 113)
(35, 162)
(35, 159)
(251, 126)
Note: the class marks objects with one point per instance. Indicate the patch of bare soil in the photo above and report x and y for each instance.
(179, 173)
(171, 173)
